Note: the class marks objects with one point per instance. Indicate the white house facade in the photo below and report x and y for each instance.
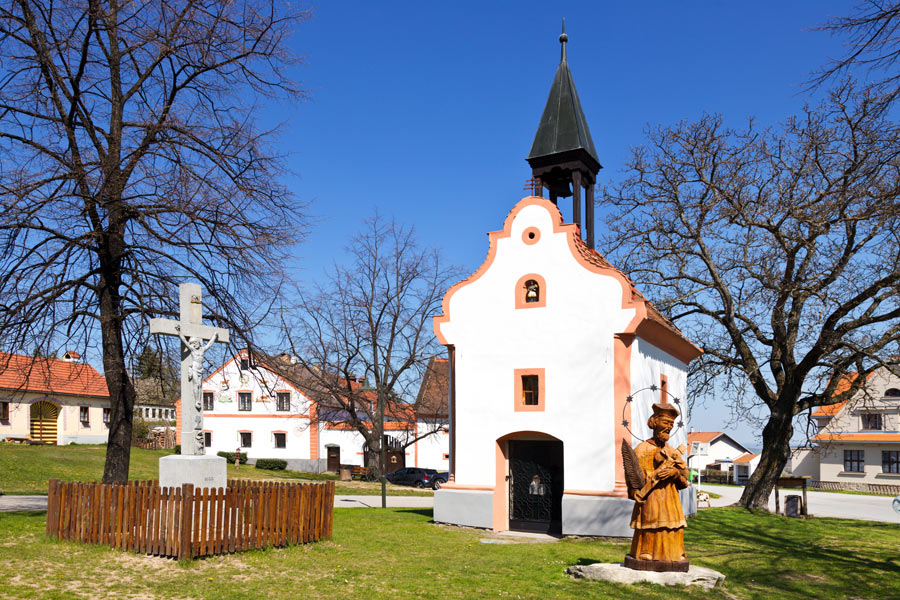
(249, 407)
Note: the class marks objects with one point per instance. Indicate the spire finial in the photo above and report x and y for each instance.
(563, 38)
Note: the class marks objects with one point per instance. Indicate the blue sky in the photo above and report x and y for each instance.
(426, 111)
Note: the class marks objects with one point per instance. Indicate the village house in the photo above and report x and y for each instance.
(555, 358)
(857, 441)
(257, 407)
(52, 401)
(723, 454)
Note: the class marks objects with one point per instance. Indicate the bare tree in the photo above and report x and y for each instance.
(130, 162)
(371, 320)
(774, 249)
(873, 36)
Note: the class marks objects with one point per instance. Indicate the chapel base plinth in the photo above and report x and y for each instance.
(660, 566)
(201, 471)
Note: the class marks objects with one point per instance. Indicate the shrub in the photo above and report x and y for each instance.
(271, 464)
(177, 448)
(229, 456)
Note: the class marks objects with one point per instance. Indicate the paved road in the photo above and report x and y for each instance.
(821, 504)
(8, 503)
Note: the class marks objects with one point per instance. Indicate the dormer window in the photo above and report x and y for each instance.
(871, 421)
(892, 393)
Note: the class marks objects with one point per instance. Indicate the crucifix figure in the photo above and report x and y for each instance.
(190, 329)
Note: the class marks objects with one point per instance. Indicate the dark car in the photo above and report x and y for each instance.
(415, 477)
(439, 479)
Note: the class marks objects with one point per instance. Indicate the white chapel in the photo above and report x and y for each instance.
(555, 357)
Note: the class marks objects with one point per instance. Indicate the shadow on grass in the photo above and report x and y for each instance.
(425, 512)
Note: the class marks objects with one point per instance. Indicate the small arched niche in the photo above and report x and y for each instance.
(531, 291)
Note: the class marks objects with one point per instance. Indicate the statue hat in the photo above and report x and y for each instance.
(665, 409)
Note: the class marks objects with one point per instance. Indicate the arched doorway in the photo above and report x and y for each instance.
(44, 416)
(530, 470)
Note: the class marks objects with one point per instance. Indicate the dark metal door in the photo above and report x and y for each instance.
(535, 486)
(334, 459)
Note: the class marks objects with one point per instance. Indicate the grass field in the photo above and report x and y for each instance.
(27, 469)
(400, 553)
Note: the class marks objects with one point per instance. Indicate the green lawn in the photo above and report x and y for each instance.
(27, 469)
(400, 553)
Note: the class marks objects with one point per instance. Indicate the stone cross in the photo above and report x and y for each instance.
(192, 332)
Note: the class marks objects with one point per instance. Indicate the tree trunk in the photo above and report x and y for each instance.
(776, 450)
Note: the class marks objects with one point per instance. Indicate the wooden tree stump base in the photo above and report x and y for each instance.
(660, 566)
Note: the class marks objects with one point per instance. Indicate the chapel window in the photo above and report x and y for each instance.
(207, 400)
(871, 421)
(530, 390)
(854, 461)
(532, 291)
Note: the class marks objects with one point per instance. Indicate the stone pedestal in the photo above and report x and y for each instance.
(618, 573)
(202, 471)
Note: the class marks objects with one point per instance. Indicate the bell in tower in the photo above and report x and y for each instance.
(562, 157)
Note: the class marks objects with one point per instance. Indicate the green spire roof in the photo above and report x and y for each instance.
(563, 127)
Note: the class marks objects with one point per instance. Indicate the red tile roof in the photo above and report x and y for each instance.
(857, 437)
(433, 397)
(745, 458)
(829, 410)
(702, 436)
(26, 373)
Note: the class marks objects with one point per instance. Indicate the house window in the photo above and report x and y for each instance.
(207, 439)
(283, 401)
(107, 412)
(207, 400)
(280, 440)
(246, 439)
(4, 411)
(244, 400)
(890, 461)
(530, 390)
(854, 461)
(871, 421)
(84, 415)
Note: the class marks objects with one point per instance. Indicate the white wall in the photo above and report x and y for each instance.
(571, 338)
(648, 365)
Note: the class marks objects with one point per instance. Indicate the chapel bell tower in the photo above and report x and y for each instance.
(562, 157)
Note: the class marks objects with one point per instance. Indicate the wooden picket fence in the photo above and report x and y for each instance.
(185, 523)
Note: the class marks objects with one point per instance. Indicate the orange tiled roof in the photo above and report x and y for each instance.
(26, 373)
(857, 437)
(843, 384)
(703, 436)
(745, 458)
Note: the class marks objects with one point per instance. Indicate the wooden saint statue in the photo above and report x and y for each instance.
(654, 472)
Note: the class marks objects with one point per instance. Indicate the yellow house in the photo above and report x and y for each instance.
(53, 401)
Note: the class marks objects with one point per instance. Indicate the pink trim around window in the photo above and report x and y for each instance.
(520, 292)
(518, 402)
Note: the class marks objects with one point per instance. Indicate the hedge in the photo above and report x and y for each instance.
(272, 464)
(229, 456)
